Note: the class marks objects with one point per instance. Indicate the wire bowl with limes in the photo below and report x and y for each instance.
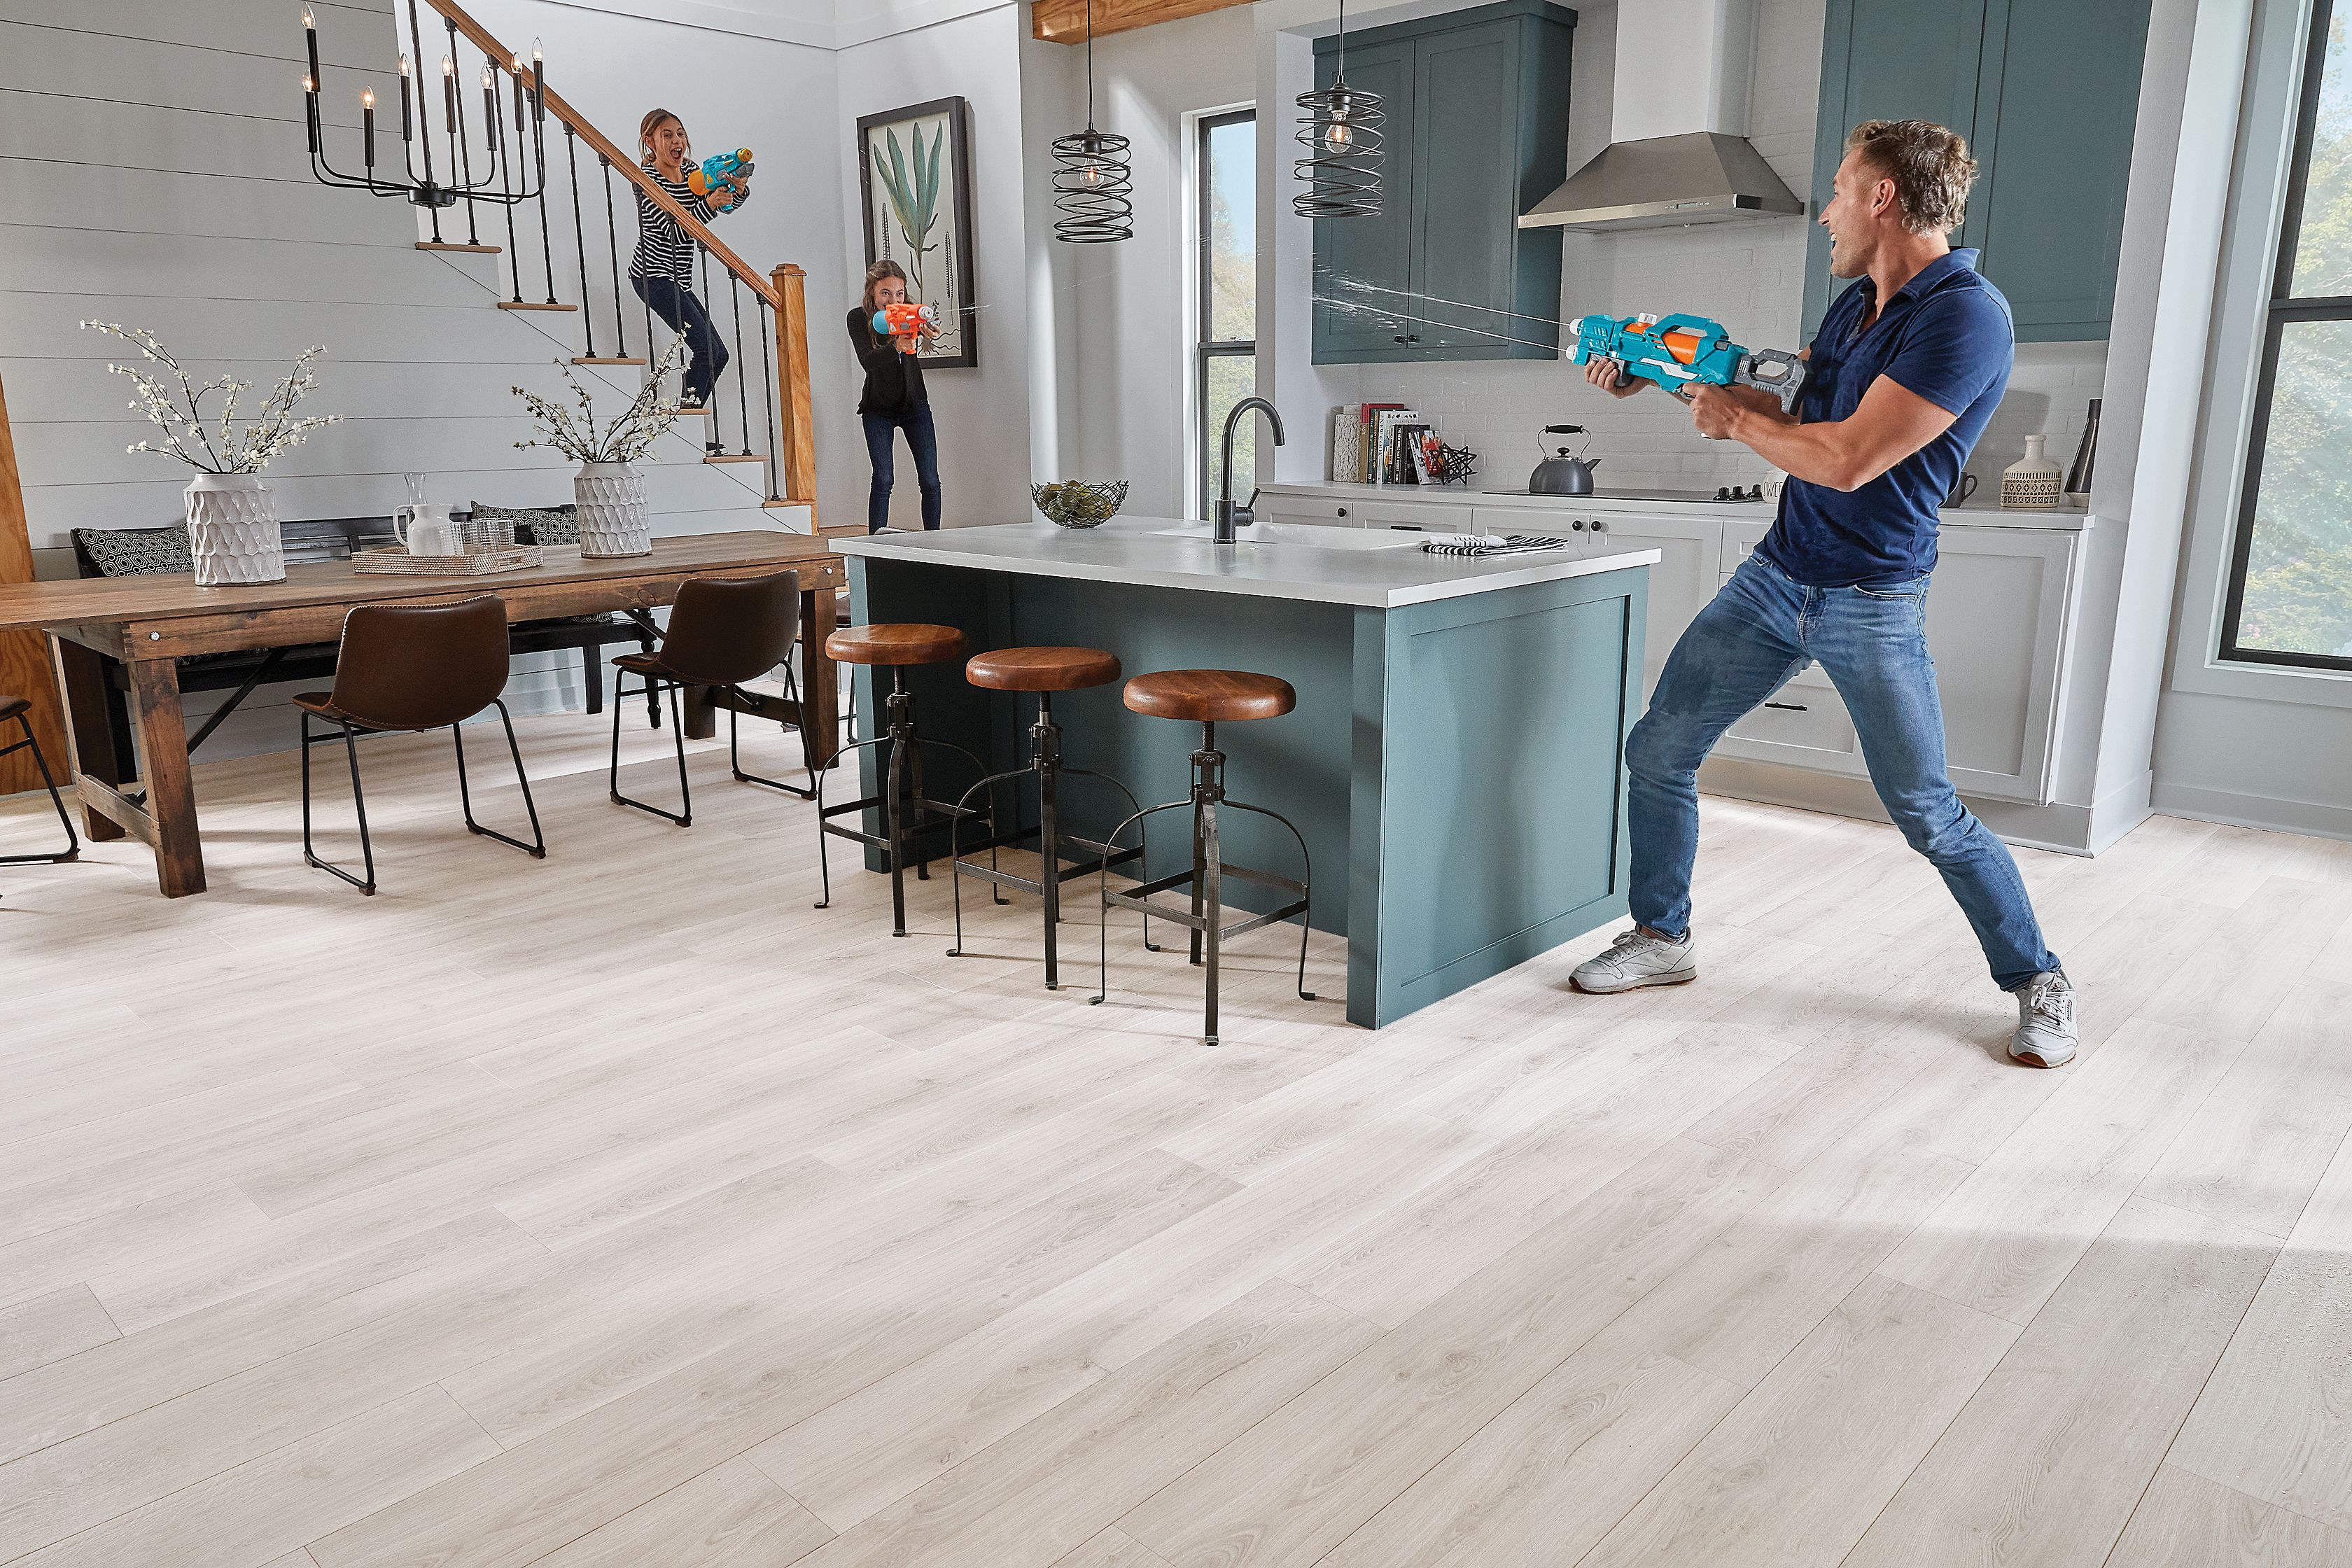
(1079, 503)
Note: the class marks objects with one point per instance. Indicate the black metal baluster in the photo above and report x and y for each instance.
(580, 235)
(461, 157)
(768, 392)
(506, 185)
(613, 245)
(423, 120)
(712, 444)
(742, 399)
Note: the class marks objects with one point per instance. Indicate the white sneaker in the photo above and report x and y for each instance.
(1637, 958)
(2046, 1031)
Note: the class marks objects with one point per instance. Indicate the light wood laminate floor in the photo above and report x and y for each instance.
(622, 1209)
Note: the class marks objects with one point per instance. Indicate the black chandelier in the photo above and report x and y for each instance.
(1094, 184)
(510, 173)
(1341, 133)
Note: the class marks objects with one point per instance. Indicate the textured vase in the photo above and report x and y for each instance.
(2030, 483)
(613, 517)
(233, 531)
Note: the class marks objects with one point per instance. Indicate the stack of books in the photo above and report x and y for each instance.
(1385, 448)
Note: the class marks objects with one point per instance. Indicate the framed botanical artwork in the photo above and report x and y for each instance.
(915, 171)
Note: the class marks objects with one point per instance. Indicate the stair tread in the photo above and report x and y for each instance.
(733, 457)
(533, 305)
(453, 244)
(601, 360)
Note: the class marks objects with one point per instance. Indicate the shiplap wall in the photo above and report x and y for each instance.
(153, 171)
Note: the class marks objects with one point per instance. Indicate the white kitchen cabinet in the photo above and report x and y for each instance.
(1276, 506)
(1997, 625)
(1681, 583)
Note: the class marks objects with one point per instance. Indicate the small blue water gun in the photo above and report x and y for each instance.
(1683, 351)
(713, 173)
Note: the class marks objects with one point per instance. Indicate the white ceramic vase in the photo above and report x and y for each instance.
(233, 531)
(613, 517)
(2031, 484)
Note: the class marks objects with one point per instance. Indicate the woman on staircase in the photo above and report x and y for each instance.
(894, 398)
(661, 269)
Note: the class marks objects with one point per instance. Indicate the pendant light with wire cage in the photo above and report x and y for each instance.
(1093, 183)
(1341, 133)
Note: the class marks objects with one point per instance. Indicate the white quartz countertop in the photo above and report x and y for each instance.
(1338, 567)
(1977, 514)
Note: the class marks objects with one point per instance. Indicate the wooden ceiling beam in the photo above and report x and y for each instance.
(1064, 21)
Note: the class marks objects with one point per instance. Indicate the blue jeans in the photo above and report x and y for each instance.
(923, 441)
(1760, 629)
(676, 305)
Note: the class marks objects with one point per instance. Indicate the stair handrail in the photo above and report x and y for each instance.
(504, 59)
(782, 289)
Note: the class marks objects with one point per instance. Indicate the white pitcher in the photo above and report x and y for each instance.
(428, 529)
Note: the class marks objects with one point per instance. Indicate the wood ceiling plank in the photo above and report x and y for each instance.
(1064, 21)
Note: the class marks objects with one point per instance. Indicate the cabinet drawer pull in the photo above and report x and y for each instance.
(1406, 527)
(1787, 707)
(1343, 511)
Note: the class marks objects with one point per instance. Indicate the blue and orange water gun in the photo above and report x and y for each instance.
(709, 179)
(1684, 351)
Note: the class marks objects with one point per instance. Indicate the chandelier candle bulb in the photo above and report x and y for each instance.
(310, 111)
(367, 124)
(310, 40)
(449, 89)
(407, 133)
(538, 81)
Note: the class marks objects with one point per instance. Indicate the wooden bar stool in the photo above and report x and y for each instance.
(1044, 670)
(19, 709)
(1208, 698)
(893, 645)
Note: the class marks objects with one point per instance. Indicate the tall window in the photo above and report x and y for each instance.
(2290, 578)
(1225, 369)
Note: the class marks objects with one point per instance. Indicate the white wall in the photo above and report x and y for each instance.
(983, 412)
(155, 174)
(1130, 395)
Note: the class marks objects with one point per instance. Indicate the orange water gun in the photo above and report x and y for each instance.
(905, 323)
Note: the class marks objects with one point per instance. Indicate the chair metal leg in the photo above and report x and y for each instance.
(655, 686)
(73, 840)
(537, 848)
(358, 804)
(735, 760)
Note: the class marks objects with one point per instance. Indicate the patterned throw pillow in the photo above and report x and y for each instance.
(136, 552)
(536, 525)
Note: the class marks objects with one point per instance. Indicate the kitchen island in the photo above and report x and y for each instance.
(1454, 762)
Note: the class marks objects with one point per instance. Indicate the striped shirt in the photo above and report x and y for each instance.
(663, 249)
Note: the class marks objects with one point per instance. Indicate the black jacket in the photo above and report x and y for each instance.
(893, 381)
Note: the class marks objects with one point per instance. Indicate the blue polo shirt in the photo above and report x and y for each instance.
(1945, 335)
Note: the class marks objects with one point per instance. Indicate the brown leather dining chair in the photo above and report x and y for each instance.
(722, 632)
(414, 667)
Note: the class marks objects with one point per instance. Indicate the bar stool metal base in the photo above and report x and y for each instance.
(1047, 766)
(904, 806)
(1205, 880)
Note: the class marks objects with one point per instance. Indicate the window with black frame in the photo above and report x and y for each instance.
(2290, 599)
(1225, 314)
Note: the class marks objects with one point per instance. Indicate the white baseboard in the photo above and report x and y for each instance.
(2240, 810)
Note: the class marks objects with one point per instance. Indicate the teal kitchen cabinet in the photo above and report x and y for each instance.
(1477, 132)
(2046, 91)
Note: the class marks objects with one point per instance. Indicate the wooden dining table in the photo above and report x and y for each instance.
(146, 623)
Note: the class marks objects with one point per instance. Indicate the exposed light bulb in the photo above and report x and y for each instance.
(367, 97)
(538, 55)
(1339, 137)
(308, 20)
(489, 79)
(449, 66)
(309, 85)
(1091, 173)
(403, 65)
(517, 64)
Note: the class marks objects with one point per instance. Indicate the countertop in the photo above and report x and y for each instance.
(1175, 553)
(1976, 515)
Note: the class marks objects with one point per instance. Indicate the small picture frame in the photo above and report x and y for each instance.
(915, 178)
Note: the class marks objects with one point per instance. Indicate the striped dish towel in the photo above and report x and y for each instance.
(1491, 543)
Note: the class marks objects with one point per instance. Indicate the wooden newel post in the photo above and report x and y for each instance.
(798, 414)
(23, 656)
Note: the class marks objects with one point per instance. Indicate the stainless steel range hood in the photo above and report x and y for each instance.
(1700, 176)
(1678, 120)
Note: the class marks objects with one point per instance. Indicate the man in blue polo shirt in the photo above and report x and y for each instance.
(1909, 365)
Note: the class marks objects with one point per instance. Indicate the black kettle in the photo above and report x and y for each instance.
(1563, 475)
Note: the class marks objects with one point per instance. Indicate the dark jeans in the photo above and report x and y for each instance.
(1762, 628)
(675, 304)
(923, 441)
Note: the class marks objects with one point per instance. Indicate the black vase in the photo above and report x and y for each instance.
(2078, 476)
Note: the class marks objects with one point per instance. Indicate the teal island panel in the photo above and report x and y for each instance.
(1456, 768)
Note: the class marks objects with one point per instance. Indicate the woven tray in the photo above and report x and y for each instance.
(401, 563)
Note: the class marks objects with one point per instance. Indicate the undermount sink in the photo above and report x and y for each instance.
(1307, 535)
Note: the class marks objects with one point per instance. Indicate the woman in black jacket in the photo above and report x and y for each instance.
(894, 400)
